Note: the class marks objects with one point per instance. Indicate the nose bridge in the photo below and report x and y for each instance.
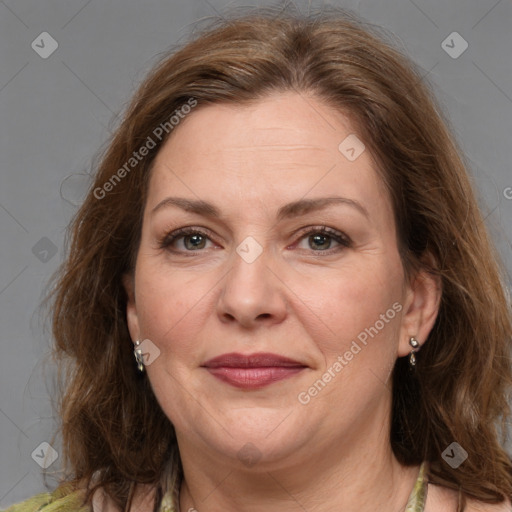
(251, 292)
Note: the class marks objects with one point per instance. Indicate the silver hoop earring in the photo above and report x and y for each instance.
(415, 347)
(138, 357)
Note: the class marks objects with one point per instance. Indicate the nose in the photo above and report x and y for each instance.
(252, 293)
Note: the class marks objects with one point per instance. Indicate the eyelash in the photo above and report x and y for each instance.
(344, 241)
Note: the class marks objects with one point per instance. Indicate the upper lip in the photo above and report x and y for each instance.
(257, 360)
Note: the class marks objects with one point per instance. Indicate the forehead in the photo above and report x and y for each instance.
(284, 146)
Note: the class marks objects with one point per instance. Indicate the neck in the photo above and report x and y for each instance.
(351, 476)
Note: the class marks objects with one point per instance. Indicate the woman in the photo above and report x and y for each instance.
(280, 293)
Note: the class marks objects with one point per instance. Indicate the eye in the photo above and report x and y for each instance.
(191, 240)
(320, 239)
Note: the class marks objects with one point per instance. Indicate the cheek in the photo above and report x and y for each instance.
(359, 340)
(172, 307)
(357, 303)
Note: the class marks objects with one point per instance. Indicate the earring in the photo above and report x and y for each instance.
(414, 344)
(138, 357)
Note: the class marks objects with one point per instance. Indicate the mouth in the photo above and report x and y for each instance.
(252, 371)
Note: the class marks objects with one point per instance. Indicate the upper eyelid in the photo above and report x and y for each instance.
(202, 230)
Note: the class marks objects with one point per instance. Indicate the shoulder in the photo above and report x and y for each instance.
(67, 498)
(143, 500)
(64, 499)
(479, 506)
(442, 499)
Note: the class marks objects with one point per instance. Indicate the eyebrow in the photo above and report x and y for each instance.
(293, 209)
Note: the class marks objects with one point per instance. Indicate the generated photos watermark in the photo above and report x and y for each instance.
(454, 455)
(304, 397)
(158, 133)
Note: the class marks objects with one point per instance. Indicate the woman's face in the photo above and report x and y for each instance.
(254, 274)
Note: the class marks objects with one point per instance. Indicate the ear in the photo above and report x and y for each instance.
(131, 307)
(421, 306)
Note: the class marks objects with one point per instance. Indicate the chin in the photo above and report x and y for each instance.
(259, 454)
(256, 435)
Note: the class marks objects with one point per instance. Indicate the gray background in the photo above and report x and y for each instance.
(55, 114)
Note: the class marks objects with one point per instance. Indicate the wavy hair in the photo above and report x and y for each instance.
(114, 433)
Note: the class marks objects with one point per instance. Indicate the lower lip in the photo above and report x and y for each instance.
(254, 378)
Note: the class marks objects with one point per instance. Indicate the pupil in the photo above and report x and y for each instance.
(195, 240)
(318, 239)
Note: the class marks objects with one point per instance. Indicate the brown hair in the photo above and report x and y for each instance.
(112, 424)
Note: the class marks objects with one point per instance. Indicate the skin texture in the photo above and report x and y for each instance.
(294, 299)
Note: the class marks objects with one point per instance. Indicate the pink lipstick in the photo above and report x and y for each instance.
(252, 371)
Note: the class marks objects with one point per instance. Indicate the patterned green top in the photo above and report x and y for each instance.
(65, 499)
